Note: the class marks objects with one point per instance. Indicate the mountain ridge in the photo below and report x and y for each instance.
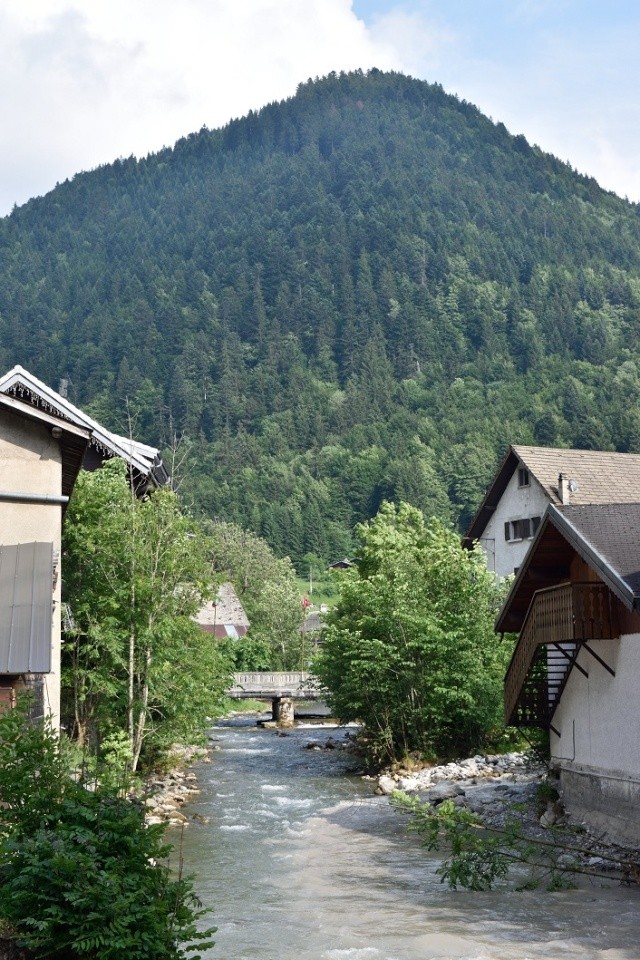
(365, 291)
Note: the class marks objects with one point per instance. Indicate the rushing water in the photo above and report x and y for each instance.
(301, 862)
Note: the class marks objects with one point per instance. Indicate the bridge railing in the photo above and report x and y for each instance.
(298, 685)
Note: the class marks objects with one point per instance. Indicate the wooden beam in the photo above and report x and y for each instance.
(599, 659)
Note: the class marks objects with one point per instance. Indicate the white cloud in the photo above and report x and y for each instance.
(412, 39)
(85, 81)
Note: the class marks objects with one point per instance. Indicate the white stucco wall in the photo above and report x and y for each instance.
(516, 503)
(598, 750)
(31, 462)
(599, 717)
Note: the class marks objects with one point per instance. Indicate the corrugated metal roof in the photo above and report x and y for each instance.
(26, 587)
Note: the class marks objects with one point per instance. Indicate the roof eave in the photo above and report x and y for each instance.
(554, 515)
(119, 446)
(587, 551)
(491, 497)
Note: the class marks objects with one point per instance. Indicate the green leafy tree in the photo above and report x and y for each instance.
(410, 649)
(267, 587)
(135, 574)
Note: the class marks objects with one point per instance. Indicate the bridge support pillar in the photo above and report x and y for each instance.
(282, 711)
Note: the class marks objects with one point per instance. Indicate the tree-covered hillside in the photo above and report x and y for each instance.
(364, 292)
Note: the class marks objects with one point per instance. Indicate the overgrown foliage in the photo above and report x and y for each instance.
(362, 293)
(410, 648)
(267, 587)
(478, 856)
(135, 571)
(81, 876)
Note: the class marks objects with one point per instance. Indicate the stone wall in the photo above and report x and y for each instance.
(608, 802)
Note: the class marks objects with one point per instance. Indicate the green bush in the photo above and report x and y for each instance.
(410, 649)
(81, 875)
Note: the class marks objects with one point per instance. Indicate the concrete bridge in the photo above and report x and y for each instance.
(281, 688)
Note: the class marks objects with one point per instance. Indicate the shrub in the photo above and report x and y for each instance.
(81, 875)
(410, 648)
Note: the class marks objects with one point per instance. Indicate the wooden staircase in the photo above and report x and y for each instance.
(558, 622)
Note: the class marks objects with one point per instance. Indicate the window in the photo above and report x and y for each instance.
(523, 477)
(524, 529)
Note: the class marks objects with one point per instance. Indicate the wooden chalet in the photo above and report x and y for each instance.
(575, 670)
(530, 478)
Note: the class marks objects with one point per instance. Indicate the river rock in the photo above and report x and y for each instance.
(551, 815)
(200, 818)
(177, 817)
(444, 791)
(387, 785)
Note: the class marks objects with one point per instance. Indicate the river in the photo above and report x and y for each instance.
(301, 862)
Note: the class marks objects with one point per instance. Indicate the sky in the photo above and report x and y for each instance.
(84, 82)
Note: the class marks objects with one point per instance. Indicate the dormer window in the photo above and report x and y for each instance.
(524, 479)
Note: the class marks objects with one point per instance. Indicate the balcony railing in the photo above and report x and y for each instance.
(566, 615)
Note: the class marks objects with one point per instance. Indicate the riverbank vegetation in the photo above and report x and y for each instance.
(138, 672)
(82, 877)
(478, 855)
(410, 649)
(267, 587)
(135, 663)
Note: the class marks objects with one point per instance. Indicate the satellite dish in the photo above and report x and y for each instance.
(573, 486)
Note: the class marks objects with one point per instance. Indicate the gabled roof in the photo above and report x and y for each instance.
(145, 460)
(606, 536)
(73, 439)
(600, 477)
(225, 615)
(26, 587)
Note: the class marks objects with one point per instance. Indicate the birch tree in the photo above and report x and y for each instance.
(135, 572)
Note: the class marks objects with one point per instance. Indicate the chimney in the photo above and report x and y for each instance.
(563, 490)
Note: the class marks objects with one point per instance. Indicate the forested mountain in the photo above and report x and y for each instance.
(364, 292)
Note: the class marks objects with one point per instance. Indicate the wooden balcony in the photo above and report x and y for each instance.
(559, 619)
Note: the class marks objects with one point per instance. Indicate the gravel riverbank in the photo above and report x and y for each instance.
(500, 787)
(167, 793)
